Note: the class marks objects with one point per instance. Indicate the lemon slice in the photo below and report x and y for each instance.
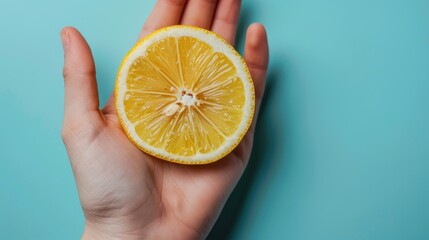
(183, 94)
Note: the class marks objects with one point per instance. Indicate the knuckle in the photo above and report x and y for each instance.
(71, 130)
(79, 130)
(175, 2)
(69, 72)
(210, 1)
(257, 66)
(66, 72)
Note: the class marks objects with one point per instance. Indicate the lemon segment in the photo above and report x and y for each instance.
(183, 94)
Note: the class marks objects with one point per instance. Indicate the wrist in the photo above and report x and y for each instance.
(95, 231)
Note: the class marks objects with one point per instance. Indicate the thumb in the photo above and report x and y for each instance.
(81, 94)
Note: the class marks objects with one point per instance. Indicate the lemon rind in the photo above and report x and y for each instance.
(221, 45)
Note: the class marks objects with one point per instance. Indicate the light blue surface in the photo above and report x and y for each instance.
(345, 153)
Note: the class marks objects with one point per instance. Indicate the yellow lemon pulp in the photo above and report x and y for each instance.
(183, 96)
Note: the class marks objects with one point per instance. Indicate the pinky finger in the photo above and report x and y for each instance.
(256, 56)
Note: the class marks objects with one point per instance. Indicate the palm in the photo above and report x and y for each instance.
(118, 182)
(128, 181)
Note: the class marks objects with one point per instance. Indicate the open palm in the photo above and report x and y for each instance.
(124, 192)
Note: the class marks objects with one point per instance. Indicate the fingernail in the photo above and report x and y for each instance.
(64, 40)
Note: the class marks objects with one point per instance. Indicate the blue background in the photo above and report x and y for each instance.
(342, 148)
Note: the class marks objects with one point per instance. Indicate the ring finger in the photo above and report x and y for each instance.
(199, 13)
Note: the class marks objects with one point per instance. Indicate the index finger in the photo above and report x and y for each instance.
(165, 13)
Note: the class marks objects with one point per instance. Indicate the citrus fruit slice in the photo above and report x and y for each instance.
(183, 94)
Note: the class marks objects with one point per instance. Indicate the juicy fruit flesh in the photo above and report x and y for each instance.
(184, 97)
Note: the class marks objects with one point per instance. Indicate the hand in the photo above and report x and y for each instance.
(125, 193)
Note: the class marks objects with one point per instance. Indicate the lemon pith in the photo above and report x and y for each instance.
(183, 94)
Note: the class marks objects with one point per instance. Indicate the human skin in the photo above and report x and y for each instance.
(124, 192)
